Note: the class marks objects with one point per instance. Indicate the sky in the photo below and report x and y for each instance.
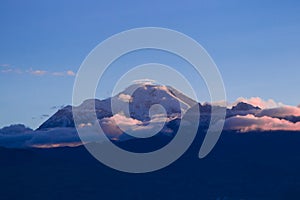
(255, 44)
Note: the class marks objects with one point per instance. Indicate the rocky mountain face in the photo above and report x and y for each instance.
(242, 109)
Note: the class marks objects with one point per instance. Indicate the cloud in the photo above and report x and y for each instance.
(18, 136)
(273, 116)
(280, 112)
(37, 72)
(57, 107)
(15, 140)
(265, 123)
(118, 124)
(70, 73)
(144, 81)
(257, 101)
(4, 65)
(11, 70)
(268, 119)
(55, 136)
(111, 126)
(125, 121)
(43, 72)
(58, 74)
(66, 73)
(125, 97)
(6, 70)
(14, 136)
(15, 129)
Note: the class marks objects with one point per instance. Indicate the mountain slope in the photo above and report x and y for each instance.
(139, 98)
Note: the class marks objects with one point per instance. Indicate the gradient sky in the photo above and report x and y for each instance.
(255, 44)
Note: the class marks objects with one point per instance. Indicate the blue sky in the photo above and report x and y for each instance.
(255, 44)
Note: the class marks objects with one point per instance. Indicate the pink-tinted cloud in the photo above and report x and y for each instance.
(111, 125)
(50, 145)
(111, 129)
(280, 112)
(125, 97)
(265, 123)
(257, 101)
(70, 73)
(118, 124)
(124, 121)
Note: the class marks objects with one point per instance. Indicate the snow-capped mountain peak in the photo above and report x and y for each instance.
(135, 102)
(139, 97)
(142, 96)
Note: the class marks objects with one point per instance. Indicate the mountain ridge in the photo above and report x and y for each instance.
(140, 98)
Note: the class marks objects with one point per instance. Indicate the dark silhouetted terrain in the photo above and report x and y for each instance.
(242, 166)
